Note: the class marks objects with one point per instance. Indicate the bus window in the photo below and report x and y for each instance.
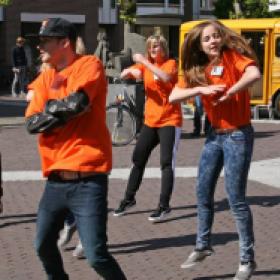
(257, 40)
(257, 43)
(277, 47)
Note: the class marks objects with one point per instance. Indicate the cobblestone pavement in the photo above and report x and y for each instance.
(145, 251)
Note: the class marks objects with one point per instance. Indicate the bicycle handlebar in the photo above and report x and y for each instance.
(118, 80)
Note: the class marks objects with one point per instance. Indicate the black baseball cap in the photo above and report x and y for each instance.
(58, 27)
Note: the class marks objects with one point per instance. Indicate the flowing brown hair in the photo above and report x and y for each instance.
(194, 60)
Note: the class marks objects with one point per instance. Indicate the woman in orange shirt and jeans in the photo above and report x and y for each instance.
(162, 124)
(219, 66)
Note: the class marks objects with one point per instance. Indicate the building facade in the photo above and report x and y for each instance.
(23, 18)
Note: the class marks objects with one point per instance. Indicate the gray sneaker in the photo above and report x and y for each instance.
(79, 251)
(66, 235)
(245, 270)
(196, 257)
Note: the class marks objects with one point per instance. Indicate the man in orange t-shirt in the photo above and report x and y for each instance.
(68, 112)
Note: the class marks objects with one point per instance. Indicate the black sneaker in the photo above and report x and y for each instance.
(195, 135)
(159, 214)
(124, 205)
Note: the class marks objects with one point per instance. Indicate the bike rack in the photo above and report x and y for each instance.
(259, 107)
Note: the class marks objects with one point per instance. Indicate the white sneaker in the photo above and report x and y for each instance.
(79, 251)
(66, 235)
(245, 271)
(196, 257)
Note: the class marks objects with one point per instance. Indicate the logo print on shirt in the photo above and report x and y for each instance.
(217, 70)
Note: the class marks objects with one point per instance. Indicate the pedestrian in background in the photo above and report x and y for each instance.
(197, 120)
(219, 65)
(19, 63)
(68, 111)
(162, 124)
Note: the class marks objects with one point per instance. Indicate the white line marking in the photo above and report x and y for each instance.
(264, 171)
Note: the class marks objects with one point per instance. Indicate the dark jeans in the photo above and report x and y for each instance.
(87, 200)
(232, 151)
(168, 138)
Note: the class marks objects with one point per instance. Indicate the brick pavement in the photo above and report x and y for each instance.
(146, 251)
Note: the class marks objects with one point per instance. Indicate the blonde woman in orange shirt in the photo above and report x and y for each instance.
(219, 66)
(162, 123)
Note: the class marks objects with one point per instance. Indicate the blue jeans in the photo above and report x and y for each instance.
(87, 200)
(20, 80)
(232, 151)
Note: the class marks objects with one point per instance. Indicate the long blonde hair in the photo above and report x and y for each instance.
(162, 42)
(194, 60)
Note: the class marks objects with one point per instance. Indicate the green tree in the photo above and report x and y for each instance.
(128, 15)
(244, 9)
(5, 2)
(223, 8)
(127, 10)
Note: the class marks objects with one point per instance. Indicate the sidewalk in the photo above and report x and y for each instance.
(145, 251)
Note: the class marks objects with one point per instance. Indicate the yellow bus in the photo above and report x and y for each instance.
(264, 37)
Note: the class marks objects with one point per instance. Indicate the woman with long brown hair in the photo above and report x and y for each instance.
(219, 65)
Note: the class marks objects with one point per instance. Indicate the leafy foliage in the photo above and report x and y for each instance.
(222, 8)
(248, 9)
(5, 2)
(127, 10)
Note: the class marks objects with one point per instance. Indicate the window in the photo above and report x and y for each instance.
(113, 4)
(100, 2)
(203, 4)
(277, 47)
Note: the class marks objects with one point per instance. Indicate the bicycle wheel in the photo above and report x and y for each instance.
(121, 124)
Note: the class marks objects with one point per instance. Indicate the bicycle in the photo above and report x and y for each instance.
(121, 117)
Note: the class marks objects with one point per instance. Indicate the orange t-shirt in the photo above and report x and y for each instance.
(235, 112)
(84, 143)
(158, 111)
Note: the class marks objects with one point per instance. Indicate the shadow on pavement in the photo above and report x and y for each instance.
(3, 217)
(7, 224)
(20, 219)
(230, 276)
(263, 201)
(264, 134)
(169, 242)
